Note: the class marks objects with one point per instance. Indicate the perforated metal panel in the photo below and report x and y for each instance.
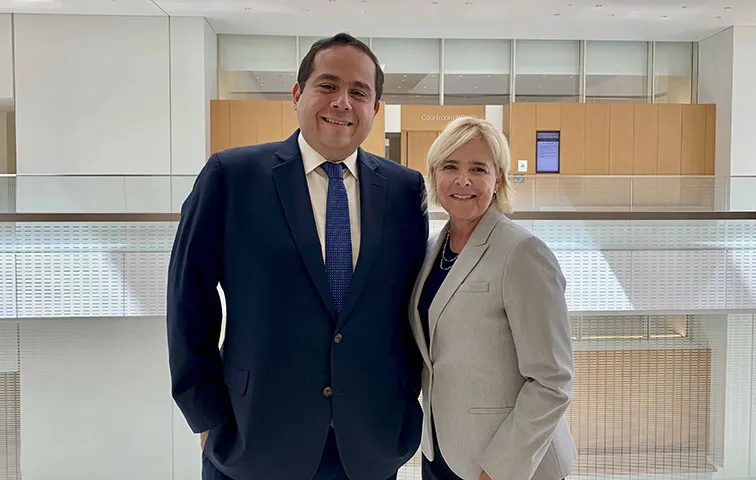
(741, 279)
(7, 285)
(741, 234)
(7, 237)
(145, 287)
(679, 280)
(597, 280)
(678, 234)
(150, 237)
(70, 284)
(69, 237)
(590, 235)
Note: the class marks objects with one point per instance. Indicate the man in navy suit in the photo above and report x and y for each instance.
(316, 245)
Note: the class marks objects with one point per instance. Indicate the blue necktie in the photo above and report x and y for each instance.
(338, 257)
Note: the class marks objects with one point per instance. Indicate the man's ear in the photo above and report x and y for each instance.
(296, 93)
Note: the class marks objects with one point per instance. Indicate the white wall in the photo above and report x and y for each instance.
(93, 94)
(112, 96)
(96, 399)
(727, 74)
(743, 161)
(3, 142)
(193, 83)
(6, 61)
(211, 78)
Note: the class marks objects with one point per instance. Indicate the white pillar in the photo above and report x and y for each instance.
(727, 74)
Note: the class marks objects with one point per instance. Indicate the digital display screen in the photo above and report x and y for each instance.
(547, 152)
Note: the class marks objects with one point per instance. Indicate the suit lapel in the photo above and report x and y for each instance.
(372, 206)
(417, 324)
(468, 258)
(295, 199)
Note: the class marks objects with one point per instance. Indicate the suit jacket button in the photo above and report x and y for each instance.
(327, 392)
(338, 338)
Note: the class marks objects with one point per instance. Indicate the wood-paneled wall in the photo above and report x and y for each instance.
(619, 138)
(421, 125)
(235, 123)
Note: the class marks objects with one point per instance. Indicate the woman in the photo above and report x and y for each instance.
(490, 319)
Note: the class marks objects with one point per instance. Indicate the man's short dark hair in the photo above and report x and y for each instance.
(308, 62)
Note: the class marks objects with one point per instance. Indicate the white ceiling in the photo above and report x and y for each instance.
(684, 20)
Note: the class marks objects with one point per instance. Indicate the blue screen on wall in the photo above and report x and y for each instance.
(547, 152)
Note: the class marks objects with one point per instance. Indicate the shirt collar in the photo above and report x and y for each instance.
(313, 159)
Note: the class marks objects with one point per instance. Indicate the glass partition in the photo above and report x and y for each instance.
(412, 69)
(547, 71)
(476, 72)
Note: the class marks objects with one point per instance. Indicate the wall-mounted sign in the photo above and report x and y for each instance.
(547, 152)
(522, 166)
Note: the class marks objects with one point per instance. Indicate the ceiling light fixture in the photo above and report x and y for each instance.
(557, 14)
(728, 8)
(664, 17)
(684, 6)
(611, 15)
(599, 6)
(248, 8)
(718, 17)
(362, 11)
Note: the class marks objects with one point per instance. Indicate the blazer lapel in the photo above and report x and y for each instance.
(295, 199)
(372, 206)
(417, 324)
(468, 258)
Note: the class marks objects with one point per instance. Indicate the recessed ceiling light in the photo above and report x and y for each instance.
(728, 8)
(599, 6)
(684, 6)
(434, 3)
(718, 17)
(247, 8)
(611, 14)
(557, 14)
(569, 4)
(305, 9)
(398, 86)
(664, 16)
(468, 3)
(475, 86)
(362, 11)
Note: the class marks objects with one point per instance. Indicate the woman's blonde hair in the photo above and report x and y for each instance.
(456, 134)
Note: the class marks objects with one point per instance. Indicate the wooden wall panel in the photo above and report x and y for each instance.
(572, 153)
(645, 146)
(523, 135)
(597, 138)
(289, 123)
(621, 138)
(375, 143)
(418, 144)
(711, 139)
(670, 139)
(433, 118)
(220, 125)
(548, 116)
(243, 126)
(269, 120)
(694, 140)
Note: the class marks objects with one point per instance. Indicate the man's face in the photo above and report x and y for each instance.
(336, 106)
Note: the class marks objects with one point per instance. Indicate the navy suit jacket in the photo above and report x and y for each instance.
(248, 225)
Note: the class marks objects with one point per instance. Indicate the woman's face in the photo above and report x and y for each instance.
(467, 180)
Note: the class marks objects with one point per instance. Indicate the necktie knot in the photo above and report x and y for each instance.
(334, 170)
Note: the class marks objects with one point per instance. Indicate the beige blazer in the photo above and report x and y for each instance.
(498, 372)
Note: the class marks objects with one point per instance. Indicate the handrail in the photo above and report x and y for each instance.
(434, 215)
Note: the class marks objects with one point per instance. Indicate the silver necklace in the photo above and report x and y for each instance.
(448, 261)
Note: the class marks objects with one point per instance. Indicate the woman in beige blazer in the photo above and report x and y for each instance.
(489, 316)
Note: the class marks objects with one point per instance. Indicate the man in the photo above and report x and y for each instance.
(316, 245)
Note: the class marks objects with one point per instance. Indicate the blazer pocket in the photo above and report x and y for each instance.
(235, 377)
(473, 287)
(490, 410)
